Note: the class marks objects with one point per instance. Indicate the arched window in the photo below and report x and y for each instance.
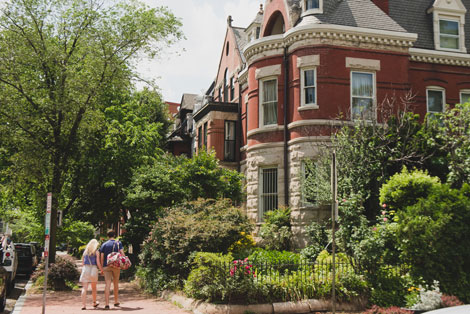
(225, 86)
(275, 25)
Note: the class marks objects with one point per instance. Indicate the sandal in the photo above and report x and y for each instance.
(96, 304)
(83, 308)
(117, 304)
(106, 307)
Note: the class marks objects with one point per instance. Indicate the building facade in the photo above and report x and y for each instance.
(303, 68)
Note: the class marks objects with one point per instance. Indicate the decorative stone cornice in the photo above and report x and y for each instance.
(243, 76)
(265, 146)
(326, 34)
(318, 122)
(439, 57)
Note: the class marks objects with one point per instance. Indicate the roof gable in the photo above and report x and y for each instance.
(454, 6)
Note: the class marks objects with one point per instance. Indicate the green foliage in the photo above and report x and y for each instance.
(170, 181)
(262, 256)
(388, 287)
(75, 233)
(433, 238)
(68, 57)
(276, 233)
(243, 247)
(454, 139)
(63, 271)
(203, 225)
(207, 280)
(405, 188)
(318, 240)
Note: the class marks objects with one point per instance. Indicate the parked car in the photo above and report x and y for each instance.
(3, 283)
(27, 259)
(10, 263)
(39, 250)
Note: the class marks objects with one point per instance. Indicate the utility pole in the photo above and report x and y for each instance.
(334, 217)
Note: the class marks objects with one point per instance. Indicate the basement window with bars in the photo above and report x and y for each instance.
(269, 190)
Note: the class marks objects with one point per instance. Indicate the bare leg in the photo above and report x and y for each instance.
(116, 288)
(93, 292)
(84, 290)
(107, 287)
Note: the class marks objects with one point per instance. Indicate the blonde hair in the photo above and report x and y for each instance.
(91, 247)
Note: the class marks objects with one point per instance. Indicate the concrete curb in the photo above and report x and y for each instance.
(306, 306)
(22, 299)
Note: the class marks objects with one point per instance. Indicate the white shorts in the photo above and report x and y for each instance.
(89, 273)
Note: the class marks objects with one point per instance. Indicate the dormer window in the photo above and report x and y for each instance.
(449, 34)
(449, 22)
(312, 6)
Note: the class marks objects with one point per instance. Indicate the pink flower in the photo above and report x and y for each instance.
(385, 219)
(384, 212)
(235, 262)
(375, 228)
(344, 200)
(384, 205)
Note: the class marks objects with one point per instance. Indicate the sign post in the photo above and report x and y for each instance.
(47, 230)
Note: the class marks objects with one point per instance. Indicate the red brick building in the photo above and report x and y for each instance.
(304, 67)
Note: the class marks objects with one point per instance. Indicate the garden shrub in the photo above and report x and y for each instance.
(450, 300)
(430, 298)
(388, 287)
(60, 273)
(433, 238)
(317, 238)
(406, 188)
(197, 226)
(208, 277)
(275, 232)
(243, 247)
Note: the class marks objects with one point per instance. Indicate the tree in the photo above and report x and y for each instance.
(58, 61)
(170, 181)
(133, 134)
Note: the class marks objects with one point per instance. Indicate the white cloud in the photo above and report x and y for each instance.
(192, 64)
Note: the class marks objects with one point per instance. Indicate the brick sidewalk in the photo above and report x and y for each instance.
(70, 302)
(131, 299)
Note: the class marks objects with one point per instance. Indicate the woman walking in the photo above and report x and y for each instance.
(91, 263)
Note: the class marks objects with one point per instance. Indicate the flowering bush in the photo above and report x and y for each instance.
(450, 300)
(429, 298)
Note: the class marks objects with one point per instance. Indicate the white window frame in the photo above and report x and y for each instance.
(436, 89)
(263, 210)
(318, 10)
(374, 94)
(261, 100)
(458, 36)
(449, 10)
(464, 91)
(303, 104)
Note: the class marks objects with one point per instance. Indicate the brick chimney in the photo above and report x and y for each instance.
(382, 4)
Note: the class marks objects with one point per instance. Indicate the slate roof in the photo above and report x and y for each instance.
(355, 13)
(413, 16)
(188, 102)
(242, 40)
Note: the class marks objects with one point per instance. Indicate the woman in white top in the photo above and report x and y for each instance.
(91, 263)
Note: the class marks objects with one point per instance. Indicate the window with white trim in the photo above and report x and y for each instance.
(312, 6)
(465, 96)
(435, 99)
(449, 37)
(308, 87)
(268, 190)
(363, 95)
(268, 101)
(449, 25)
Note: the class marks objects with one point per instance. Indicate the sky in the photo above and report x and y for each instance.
(191, 65)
